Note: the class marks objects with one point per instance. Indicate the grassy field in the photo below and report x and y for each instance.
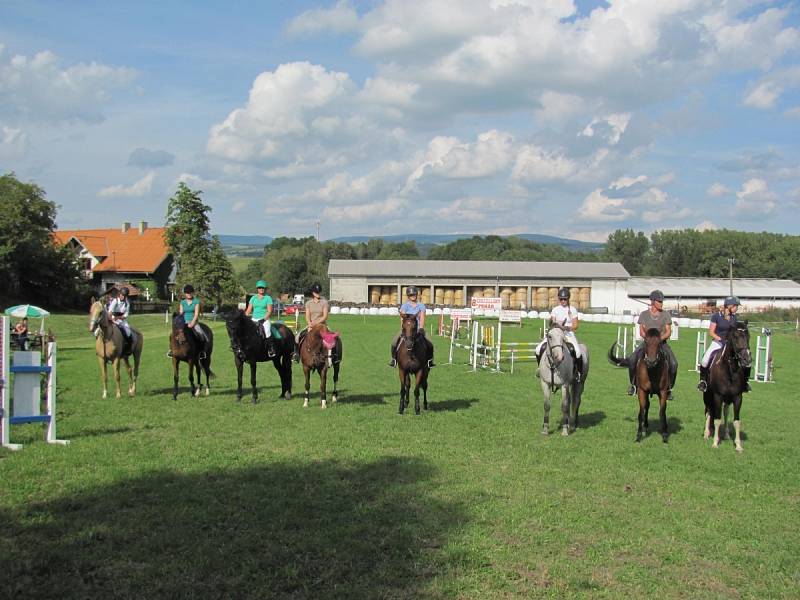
(205, 497)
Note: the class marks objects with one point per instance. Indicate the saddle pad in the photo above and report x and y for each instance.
(329, 339)
(275, 332)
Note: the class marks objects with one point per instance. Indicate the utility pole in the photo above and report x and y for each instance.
(731, 262)
(317, 229)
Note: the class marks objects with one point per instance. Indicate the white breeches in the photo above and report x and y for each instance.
(715, 345)
(570, 337)
(267, 327)
(123, 324)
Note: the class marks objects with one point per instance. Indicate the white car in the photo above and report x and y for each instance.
(299, 299)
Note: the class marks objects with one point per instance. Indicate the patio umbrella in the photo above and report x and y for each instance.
(26, 310)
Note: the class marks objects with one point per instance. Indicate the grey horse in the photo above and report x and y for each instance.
(556, 371)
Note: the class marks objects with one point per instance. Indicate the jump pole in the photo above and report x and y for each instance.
(699, 350)
(763, 368)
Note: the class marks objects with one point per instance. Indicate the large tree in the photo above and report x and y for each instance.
(33, 267)
(629, 248)
(201, 261)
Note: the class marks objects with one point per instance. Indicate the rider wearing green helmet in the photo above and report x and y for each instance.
(259, 308)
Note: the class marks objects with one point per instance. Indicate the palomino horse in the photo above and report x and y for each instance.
(319, 351)
(652, 377)
(249, 347)
(185, 346)
(109, 345)
(556, 370)
(727, 379)
(413, 353)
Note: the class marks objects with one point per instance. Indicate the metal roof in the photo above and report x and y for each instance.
(701, 287)
(476, 269)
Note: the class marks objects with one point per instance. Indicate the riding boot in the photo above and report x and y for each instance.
(393, 362)
(703, 385)
(578, 369)
(271, 352)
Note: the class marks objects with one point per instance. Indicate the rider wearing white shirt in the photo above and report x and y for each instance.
(120, 309)
(566, 317)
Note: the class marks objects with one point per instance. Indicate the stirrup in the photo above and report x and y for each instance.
(702, 386)
(393, 363)
(202, 355)
(631, 390)
(169, 353)
(747, 387)
(431, 364)
(669, 396)
(296, 356)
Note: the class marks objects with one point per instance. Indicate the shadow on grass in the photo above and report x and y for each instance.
(587, 420)
(99, 432)
(320, 530)
(447, 405)
(347, 398)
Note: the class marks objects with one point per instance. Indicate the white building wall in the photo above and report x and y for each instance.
(348, 289)
(609, 293)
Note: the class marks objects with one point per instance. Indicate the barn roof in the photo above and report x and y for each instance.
(702, 287)
(475, 269)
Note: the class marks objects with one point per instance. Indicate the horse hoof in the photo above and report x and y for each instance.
(334, 399)
(305, 404)
(665, 439)
(545, 430)
(324, 405)
(105, 395)
(288, 395)
(565, 432)
(739, 449)
(208, 392)
(715, 445)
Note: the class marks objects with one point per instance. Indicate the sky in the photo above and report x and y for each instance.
(382, 117)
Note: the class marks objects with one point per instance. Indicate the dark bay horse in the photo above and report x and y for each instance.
(727, 379)
(652, 377)
(319, 351)
(109, 348)
(249, 347)
(413, 353)
(186, 347)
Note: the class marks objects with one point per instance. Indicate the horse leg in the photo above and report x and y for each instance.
(416, 390)
(425, 390)
(335, 395)
(707, 414)
(323, 384)
(206, 363)
(253, 369)
(403, 389)
(175, 371)
(103, 375)
(717, 409)
(239, 368)
(737, 424)
(575, 396)
(286, 378)
(546, 393)
(643, 401)
(115, 366)
(726, 409)
(565, 400)
(662, 414)
(132, 386)
(307, 373)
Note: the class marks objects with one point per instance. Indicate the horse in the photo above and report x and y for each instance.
(556, 370)
(651, 377)
(185, 346)
(320, 350)
(727, 379)
(249, 346)
(109, 348)
(413, 354)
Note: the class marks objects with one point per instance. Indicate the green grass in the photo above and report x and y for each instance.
(205, 497)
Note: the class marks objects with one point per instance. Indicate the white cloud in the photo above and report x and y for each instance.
(766, 92)
(625, 182)
(792, 113)
(597, 207)
(611, 127)
(715, 190)
(340, 19)
(706, 226)
(238, 206)
(40, 88)
(136, 190)
(534, 163)
(13, 142)
(755, 198)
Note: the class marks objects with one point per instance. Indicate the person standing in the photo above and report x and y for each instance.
(413, 308)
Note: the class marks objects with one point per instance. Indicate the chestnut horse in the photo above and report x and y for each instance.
(727, 379)
(249, 347)
(109, 348)
(652, 377)
(319, 351)
(413, 353)
(185, 347)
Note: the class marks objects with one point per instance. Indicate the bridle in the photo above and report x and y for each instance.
(551, 359)
(740, 357)
(409, 341)
(651, 363)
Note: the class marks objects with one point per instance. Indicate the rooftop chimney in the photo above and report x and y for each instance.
(125, 227)
(142, 227)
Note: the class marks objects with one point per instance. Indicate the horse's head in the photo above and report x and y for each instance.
(97, 314)
(555, 343)
(738, 340)
(409, 328)
(652, 347)
(233, 323)
(178, 321)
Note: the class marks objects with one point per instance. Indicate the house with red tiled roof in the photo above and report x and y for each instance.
(114, 257)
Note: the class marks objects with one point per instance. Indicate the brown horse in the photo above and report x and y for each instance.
(319, 351)
(727, 379)
(186, 347)
(109, 348)
(652, 377)
(413, 353)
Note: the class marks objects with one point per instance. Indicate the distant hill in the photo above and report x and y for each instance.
(244, 240)
(434, 239)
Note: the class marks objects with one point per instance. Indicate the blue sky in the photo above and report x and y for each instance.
(386, 117)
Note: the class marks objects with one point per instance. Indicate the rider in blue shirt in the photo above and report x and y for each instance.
(721, 323)
(412, 307)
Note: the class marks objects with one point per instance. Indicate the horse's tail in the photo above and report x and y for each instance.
(617, 362)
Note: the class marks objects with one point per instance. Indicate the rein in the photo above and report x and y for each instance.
(553, 363)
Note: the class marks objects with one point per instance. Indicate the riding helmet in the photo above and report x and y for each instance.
(656, 296)
(316, 288)
(563, 293)
(731, 301)
(261, 284)
(124, 292)
(188, 289)
(411, 291)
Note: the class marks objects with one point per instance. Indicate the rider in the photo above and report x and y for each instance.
(190, 308)
(260, 309)
(316, 313)
(566, 317)
(721, 323)
(120, 309)
(412, 307)
(655, 318)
